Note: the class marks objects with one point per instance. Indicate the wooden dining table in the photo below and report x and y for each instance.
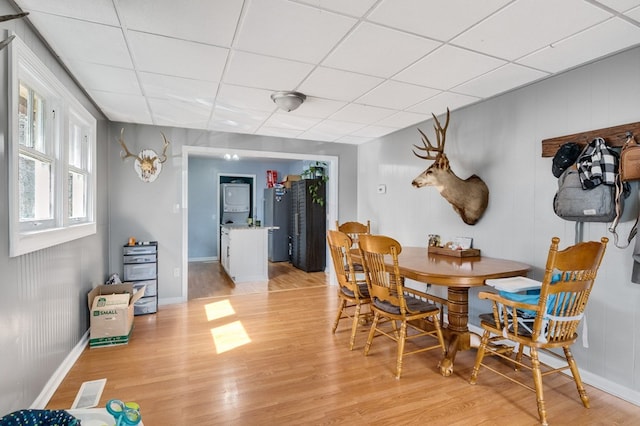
(458, 274)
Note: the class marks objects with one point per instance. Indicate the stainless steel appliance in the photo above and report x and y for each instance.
(277, 207)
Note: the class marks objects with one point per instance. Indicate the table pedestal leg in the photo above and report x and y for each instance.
(457, 331)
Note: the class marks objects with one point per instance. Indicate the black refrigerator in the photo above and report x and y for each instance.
(277, 206)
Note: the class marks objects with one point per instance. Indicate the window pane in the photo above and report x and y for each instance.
(31, 119)
(75, 146)
(77, 195)
(34, 181)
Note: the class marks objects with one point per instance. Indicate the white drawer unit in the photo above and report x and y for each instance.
(139, 271)
(146, 305)
(140, 266)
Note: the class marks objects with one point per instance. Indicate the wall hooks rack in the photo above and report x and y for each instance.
(614, 136)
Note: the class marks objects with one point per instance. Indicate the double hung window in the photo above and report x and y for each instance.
(52, 158)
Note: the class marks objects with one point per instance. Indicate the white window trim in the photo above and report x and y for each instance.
(65, 230)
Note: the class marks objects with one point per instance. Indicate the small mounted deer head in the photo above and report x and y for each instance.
(469, 197)
(148, 164)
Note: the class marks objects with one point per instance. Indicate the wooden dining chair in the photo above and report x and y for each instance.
(550, 321)
(352, 289)
(398, 310)
(354, 229)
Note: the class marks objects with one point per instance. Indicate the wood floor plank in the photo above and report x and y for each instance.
(269, 357)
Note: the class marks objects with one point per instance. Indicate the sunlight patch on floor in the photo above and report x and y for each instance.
(229, 336)
(217, 310)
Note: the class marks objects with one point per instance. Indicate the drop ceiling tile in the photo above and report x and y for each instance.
(318, 107)
(309, 33)
(396, 95)
(100, 11)
(279, 132)
(275, 73)
(530, 26)
(207, 21)
(179, 114)
(634, 14)
(403, 119)
(352, 7)
(461, 65)
(99, 44)
(439, 103)
(284, 120)
(608, 37)
(173, 67)
(330, 130)
(338, 85)
(354, 140)
(120, 107)
(240, 98)
(105, 78)
(178, 88)
(169, 56)
(376, 50)
(373, 131)
(500, 80)
(440, 19)
(237, 121)
(620, 5)
(364, 114)
(319, 135)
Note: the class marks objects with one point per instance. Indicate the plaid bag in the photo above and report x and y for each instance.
(598, 164)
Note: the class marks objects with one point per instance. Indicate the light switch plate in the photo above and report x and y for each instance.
(382, 189)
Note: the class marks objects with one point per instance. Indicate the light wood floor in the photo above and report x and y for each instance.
(208, 279)
(269, 358)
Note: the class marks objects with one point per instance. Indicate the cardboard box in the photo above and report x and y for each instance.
(290, 178)
(111, 314)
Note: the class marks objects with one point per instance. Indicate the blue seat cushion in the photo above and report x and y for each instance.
(531, 297)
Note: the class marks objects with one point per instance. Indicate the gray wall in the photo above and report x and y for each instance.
(155, 211)
(43, 308)
(500, 140)
(204, 192)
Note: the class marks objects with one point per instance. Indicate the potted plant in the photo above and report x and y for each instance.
(316, 170)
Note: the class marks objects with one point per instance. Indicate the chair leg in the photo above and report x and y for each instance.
(537, 380)
(343, 304)
(576, 376)
(438, 328)
(519, 355)
(372, 332)
(354, 326)
(401, 340)
(479, 357)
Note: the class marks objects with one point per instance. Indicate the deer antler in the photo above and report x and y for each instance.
(126, 153)
(440, 139)
(163, 157)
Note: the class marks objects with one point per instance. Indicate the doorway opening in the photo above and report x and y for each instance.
(250, 155)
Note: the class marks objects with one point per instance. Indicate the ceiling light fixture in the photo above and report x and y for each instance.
(288, 101)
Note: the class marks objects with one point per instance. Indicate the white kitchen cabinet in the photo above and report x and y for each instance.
(243, 252)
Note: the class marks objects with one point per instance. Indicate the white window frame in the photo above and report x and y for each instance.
(25, 66)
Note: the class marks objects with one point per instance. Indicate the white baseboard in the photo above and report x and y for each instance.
(56, 378)
(588, 378)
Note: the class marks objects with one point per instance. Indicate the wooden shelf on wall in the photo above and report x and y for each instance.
(614, 136)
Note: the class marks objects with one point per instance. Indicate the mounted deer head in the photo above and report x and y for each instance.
(148, 164)
(469, 197)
